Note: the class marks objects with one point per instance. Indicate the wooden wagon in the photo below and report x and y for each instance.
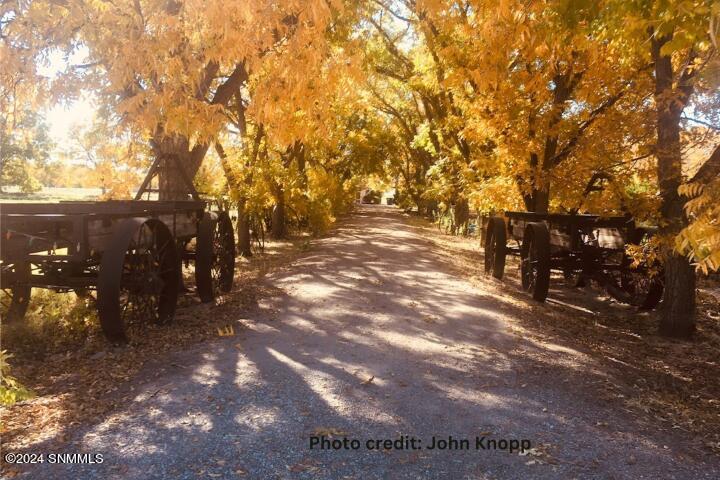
(581, 247)
(131, 252)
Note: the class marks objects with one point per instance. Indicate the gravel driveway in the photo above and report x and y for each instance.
(369, 338)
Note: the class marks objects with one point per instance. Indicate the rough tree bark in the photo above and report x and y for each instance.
(171, 183)
(677, 313)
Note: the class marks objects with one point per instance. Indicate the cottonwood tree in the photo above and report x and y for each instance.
(278, 120)
(675, 37)
(550, 95)
(510, 104)
(168, 69)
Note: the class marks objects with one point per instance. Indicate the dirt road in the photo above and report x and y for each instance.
(369, 337)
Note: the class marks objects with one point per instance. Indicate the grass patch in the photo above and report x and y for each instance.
(53, 323)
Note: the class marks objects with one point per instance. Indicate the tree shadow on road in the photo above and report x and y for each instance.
(368, 336)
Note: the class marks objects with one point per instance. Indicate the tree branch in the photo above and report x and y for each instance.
(209, 73)
(390, 45)
(389, 73)
(594, 115)
(391, 12)
(224, 92)
(701, 122)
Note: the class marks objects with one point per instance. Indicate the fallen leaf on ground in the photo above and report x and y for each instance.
(227, 331)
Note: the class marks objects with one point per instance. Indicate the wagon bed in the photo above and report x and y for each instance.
(84, 227)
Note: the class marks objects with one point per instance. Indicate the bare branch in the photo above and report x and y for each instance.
(701, 122)
(392, 12)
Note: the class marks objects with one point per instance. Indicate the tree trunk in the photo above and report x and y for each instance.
(462, 215)
(172, 185)
(677, 313)
(175, 152)
(244, 246)
(278, 230)
(538, 200)
(541, 200)
(426, 208)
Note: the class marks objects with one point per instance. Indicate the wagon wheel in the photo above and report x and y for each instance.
(575, 274)
(15, 300)
(495, 247)
(535, 261)
(638, 288)
(215, 261)
(139, 278)
(635, 285)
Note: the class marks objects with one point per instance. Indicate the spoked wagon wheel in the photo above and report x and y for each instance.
(14, 300)
(578, 269)
(636, 285)
(215, 261)
(495, 247)
(535, 260)
(638, 288)
(139, 278)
